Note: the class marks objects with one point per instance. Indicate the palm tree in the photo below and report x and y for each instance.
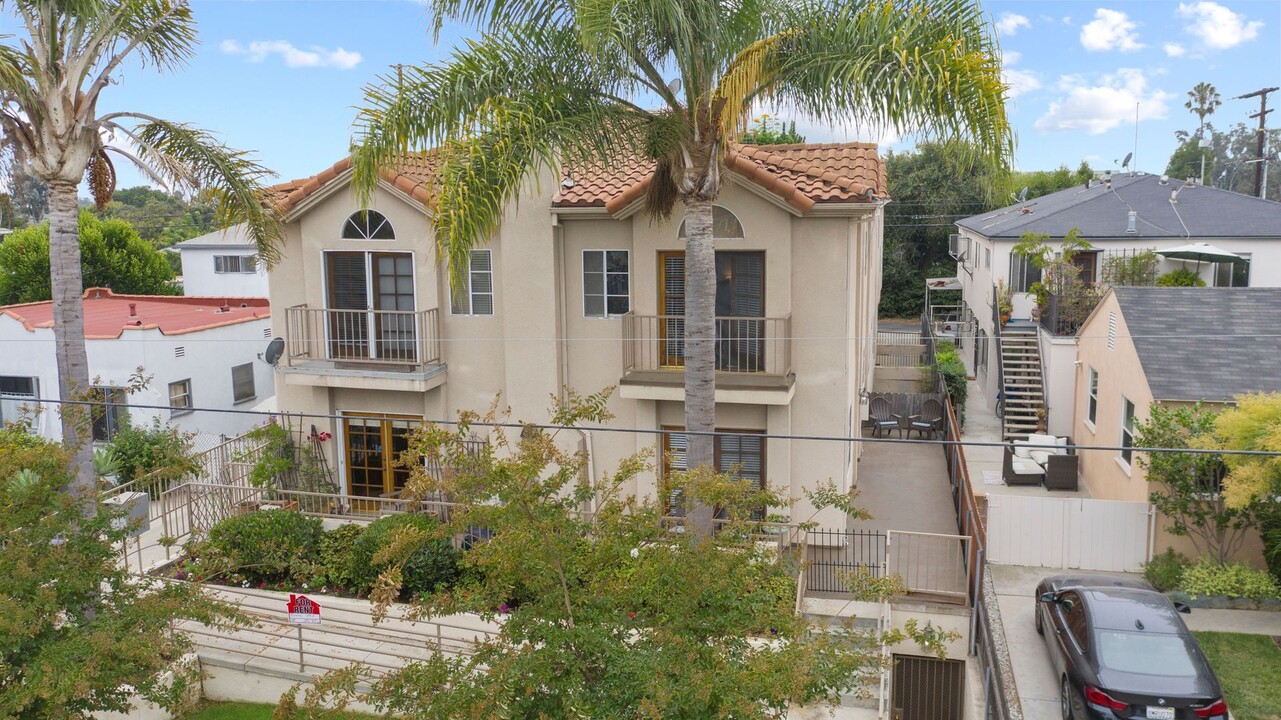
(1203, 99)
(50, 83)
(552, 83)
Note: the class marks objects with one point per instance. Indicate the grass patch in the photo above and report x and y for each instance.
(250, 711)
(1248, 667)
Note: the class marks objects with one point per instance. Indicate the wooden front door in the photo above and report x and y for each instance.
(374, 444)
(1088, 263)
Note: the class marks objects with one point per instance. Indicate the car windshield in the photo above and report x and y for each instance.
(1145, 653)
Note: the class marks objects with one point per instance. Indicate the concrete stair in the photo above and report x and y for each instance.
(1024, 388)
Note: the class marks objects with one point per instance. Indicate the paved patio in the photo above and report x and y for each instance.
(905, 487)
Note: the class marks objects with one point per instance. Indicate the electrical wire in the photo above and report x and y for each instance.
(665, 432)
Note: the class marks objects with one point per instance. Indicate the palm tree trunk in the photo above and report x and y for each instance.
(700, 344)
(69, 337)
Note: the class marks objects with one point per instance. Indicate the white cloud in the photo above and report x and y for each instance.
(1173, 49)
(1099, 108)
(1010, 23)
(1110, 30)
(258, 50)
(1020, 81)
(1216, 26)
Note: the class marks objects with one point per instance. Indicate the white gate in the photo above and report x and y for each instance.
(1073, 533)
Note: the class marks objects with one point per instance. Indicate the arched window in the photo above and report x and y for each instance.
(725, 226)
(367, 225)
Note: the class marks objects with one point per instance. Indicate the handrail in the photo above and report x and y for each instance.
(761, 345)
(402, 337)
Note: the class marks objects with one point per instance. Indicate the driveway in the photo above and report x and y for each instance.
(1033, 675)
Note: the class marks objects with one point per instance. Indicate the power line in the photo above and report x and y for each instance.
(664, 431)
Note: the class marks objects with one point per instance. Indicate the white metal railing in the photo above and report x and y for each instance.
(405, 337)
(929, 563)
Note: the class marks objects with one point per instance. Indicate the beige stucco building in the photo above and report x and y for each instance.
(580, 288)
(1171, 346)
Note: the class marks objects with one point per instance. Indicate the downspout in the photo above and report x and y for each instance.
(562, 331)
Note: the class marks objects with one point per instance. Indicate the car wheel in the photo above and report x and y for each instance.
(1065, 699)
(1040, 630)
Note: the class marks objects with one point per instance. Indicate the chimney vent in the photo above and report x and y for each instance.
(1129, 224)
(133, 310)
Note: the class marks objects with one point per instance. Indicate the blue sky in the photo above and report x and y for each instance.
(282, 77)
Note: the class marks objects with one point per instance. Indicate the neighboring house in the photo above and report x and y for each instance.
(1120, 216)
(195, 352)
(222, 263)
(1169, 346)
(582, 289)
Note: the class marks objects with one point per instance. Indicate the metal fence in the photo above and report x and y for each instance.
(743, 344)
(833, 554)
(899, 349)
(367, 336)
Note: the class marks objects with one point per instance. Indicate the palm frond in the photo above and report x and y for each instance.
(194, 158)
(926, 66)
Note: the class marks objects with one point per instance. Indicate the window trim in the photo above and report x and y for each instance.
(1125, 462)
(253, 381)
(605, 273)
(189, 407)
(1091, 397)
(471, 304)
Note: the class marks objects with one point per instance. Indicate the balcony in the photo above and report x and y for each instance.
(753, 359)
(363, 349)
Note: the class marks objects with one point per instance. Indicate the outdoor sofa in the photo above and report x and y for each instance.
(1026, 464)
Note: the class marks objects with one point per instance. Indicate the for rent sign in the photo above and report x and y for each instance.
(303, 609)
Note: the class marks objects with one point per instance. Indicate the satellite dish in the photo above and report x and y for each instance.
(1023, 194)
(274, 350)
(1125, 164)
(674, 86)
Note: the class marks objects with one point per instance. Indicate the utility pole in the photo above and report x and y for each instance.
(1261, 164)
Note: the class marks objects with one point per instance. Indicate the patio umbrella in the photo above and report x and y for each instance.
(1202, 252)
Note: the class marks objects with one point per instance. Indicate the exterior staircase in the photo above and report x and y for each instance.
(1024, 389)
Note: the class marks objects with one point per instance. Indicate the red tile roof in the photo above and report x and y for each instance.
(801, 175)
(108, 315)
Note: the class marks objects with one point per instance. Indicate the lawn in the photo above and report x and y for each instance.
(1248, 667)
(249, 711)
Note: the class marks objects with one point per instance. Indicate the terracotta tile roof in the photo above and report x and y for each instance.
(801, 175)
(107, 315)
(414, 175)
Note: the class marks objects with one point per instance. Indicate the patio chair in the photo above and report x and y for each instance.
(929, 420)
(1061, 471)
(881, 417)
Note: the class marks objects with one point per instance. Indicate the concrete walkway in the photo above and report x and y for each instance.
(1249, 622)
(904, 487)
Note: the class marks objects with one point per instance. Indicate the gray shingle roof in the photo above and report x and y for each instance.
(1205, 343)
(234, 236)
(1102, 213)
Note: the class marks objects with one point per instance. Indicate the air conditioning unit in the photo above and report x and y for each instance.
(957, 246)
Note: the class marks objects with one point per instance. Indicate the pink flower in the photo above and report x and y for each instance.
(631, 615)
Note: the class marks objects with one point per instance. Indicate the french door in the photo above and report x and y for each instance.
(742, 454)
(374, 444)
(371, 291)
(740, 310)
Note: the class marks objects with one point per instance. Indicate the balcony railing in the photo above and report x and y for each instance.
(743, 344)
(362, 336)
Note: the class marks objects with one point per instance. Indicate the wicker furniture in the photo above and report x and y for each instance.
(1054, 463)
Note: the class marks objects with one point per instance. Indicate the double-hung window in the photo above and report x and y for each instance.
(109, 416)
(477, 295)
(1127, 431)
(180, 397)
(235, 264)
(606, 283)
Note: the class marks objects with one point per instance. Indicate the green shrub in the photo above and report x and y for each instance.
(334, 556)
(1270, 531)
(1165, 571)
(432, 565)
(266, 545)
(955, 377)
(158, 449)
(1182, 277)
(1236, 580)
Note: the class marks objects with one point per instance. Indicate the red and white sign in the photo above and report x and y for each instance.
(303, 609)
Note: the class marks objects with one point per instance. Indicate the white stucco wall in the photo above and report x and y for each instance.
(199, 278)
(208, 356)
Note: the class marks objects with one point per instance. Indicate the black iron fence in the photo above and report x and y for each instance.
(833, 554)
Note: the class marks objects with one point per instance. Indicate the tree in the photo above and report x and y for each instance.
(162, 218)
(51, 82)
(767, 132)
(77, 630)
(546, 85)
(1044, 182)
(609, 614)
(1253, 424)
(1186, 487)
(1203, 100)
(111, 255)
(1185, 161)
